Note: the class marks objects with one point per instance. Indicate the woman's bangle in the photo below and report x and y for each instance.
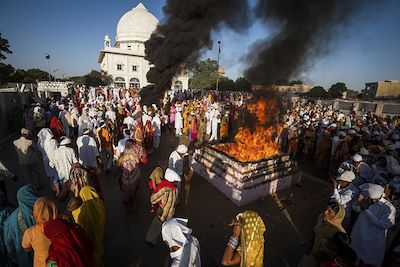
(233, 242)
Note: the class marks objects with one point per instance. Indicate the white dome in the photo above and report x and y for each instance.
(136, 25)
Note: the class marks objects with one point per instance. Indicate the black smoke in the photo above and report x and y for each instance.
(178, 40)
(305, 29)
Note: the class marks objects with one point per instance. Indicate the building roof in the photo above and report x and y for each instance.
(136, 25)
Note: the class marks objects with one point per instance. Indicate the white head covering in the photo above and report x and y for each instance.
(171, 176)
(65, 141)
(372, 190)
(182, 149)
(175, 232)
(357, 157)
(44, 133)
(347, 176)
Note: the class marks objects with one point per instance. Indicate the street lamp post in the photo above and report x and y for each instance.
(219, 51)
(47, 56)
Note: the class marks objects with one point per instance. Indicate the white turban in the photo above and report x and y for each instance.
(347, 176)
(65, 141)
(171, 176)
(182, 149)
(372, 190)
(357, 157)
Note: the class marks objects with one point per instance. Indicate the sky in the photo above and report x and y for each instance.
(366, 49)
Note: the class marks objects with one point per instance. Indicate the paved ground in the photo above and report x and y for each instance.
(208, 211)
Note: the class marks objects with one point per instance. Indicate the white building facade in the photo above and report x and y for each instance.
(125, 62)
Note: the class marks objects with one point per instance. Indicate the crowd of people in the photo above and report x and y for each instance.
(360, 156)
(69, 143)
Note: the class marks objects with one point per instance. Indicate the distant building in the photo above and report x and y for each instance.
(48, 89)
(386, 89)
(126, 61)
(299, 88)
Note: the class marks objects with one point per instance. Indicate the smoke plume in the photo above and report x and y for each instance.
(306, 26)
(177, 42)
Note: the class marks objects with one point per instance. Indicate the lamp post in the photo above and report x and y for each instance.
(219, 51)
(54, 71)
(47, 56)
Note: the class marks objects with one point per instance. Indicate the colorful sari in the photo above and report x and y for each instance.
(129, 161)
(16, 224)
(70, 245)
(56, 127)
(91, 217)
(251, 247)
(148, 136)
(4, 213)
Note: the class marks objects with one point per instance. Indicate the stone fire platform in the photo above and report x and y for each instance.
(244, 182)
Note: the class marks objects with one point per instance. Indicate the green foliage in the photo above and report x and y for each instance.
(9, 74)
(4, 48)
(352, 93)
(318, 91)
(226, 84)
(97, 78)
(243, 85)
(337, 90)
(204, 74)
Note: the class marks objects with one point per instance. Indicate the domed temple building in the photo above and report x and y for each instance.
(126, 62)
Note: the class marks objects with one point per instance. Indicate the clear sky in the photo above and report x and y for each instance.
(72, 32)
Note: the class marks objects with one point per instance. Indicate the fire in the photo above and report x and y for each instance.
(260, 144)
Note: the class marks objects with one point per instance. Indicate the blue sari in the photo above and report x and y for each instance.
(4, 213)
(16, 224)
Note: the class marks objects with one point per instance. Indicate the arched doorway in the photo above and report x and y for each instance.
(178, 85)
(134, 82)
(119, 82)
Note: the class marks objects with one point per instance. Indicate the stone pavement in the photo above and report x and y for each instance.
(289, 217)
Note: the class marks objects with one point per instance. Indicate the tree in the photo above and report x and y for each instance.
(96, 78)
(352, 93)
(318, 91)
(34, 75)
(6, 71)
(242, 84)
(337, 90)
(226, 84)
(204, 74)
(4, 48)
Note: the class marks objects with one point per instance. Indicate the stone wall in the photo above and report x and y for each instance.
(11, 111)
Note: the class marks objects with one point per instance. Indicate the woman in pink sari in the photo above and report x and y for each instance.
(172, 113)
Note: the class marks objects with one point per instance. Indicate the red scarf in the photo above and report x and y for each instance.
(161, 185)
(70, 246)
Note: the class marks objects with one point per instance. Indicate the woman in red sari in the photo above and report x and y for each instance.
(56, 127)
(148, 136)
(70, 245)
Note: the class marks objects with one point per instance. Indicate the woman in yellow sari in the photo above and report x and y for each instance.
(91, 217)
(248, 228)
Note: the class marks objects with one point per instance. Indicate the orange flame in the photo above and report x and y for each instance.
(260, 144)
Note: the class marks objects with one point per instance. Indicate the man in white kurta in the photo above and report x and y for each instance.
(175, 161)
(87, 150)
(178, 122)
(344, 193)
(184, 248)
(156, 125)
(368, 238)
(62, 160)
(215, 120)
(121, 143)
